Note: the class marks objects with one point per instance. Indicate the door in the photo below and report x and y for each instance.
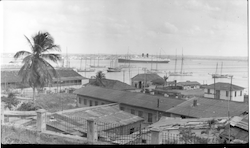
(217, 94)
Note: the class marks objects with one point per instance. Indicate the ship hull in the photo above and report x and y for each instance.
(141, 61)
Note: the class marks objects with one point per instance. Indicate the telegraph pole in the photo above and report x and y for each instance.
(228, 112)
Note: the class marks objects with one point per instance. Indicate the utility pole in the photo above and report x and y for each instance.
(214, 89)
(228, 112)
(123, 76)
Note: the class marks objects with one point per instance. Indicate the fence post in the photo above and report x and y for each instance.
(156, 136)
(2, 113)
(92, 135)
(41, 120)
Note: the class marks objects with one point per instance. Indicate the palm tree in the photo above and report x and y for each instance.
(99, 76)
(37, 71)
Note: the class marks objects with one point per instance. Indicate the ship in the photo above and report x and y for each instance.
(143, 59)
(181, 73)
(216, 75)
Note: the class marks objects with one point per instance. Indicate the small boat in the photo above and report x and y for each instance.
(216, 75)
(86, 70)
(110, 69)
(113, 67)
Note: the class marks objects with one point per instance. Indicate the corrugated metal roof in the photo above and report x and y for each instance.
(147, 76)
(209, 108)
(106, 113)
(113, 84)
(166, 123)
(241, 122)
(224, 86)
(129, 98)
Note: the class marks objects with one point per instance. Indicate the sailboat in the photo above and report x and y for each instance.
(181, 73)
(216, 75)
(86, 69)
(156, 67)
(114, 68)
(97, 66)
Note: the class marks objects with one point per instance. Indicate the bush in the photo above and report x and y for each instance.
(28, 106)
(10, 101)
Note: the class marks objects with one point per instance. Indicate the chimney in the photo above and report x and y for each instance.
(194, 102)
(158, 103)
(175, 83)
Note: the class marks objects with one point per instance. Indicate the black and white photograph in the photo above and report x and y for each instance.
(124, 72)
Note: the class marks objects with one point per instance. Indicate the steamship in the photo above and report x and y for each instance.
(143, 59)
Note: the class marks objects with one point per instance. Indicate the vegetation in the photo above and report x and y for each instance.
(99, 76)
(10, 101)
(37, 71)
(28, 106)
(188, 137)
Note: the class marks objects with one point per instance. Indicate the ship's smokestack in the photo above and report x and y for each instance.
(142, 54)
(147, 55)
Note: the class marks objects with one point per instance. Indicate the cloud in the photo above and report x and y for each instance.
(163, 28)
(198, 5)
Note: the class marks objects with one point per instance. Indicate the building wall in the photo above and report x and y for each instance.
(238, 97)
(127, 108)
(126, 129)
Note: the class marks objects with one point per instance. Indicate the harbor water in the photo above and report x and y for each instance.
(201, 69)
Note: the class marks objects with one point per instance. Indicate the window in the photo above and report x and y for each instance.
(90, 102)
(140, 113)
(85, 101)
(80, 101)
(240, 93)
(131, 130)
(121, 108)
(235, 93)
(96, 103)
(132, 111)
(150, 118)
(226, 93)
(208, 91)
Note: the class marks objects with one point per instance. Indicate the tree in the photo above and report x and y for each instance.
(10, 101)
(37, 71)
(99, 77)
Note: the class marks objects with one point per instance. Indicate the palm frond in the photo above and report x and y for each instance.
(32, 47)
(52, 47)
(51, 57)
(20, 53)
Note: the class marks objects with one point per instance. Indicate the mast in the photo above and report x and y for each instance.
(182, 61)
(81, 63)
(221, 68)
(175, 60)
(216, 68)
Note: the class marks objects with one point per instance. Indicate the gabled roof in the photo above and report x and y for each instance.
(107, 117)
(64, 73)
(129, 98)
(147, 77)
(109, 113)
(188, 83)
(224, 86)
(208, 108)
(113, 84)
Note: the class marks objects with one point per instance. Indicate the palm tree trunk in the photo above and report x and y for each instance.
(34, 91)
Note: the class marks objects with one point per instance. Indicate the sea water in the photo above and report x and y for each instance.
(201, 69)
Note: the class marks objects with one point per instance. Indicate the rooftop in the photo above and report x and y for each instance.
(113, 84)
(188, 83)
(209, 108)
(64, 73)
(129, 98)
(224, 86)
(147, 76)
(168, 123)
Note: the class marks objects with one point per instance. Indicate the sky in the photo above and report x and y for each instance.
(199, 27)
